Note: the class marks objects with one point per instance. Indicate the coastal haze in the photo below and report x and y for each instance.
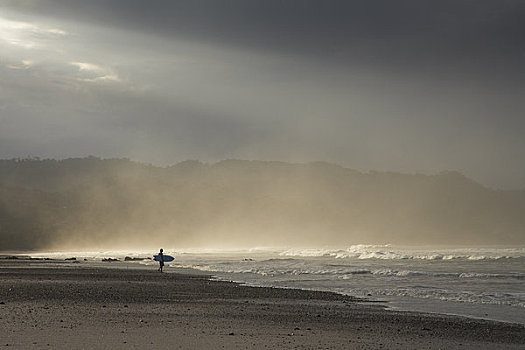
(92, 203)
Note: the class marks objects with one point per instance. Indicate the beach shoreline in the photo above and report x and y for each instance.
(77, 305)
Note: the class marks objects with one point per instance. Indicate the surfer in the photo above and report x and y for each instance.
(161, 260)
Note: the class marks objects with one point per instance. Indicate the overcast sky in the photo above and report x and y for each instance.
(397, 85)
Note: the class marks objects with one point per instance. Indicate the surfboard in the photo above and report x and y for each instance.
(167, 258)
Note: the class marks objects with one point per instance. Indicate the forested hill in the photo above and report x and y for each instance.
(93, 202)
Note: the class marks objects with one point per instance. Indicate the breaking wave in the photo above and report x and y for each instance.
(387, 252)
(342, 273)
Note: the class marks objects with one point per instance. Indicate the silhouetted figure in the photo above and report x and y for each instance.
(161, 260)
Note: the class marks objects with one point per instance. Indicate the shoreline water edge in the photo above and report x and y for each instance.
(67, 303)
(478, 282)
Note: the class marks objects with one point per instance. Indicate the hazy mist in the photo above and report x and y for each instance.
(93, 203)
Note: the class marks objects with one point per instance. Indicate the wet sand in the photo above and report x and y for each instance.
(46, 304)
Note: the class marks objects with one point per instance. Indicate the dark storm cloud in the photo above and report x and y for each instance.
(466, 36)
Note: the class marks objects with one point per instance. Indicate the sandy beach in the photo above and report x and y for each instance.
(59, 305)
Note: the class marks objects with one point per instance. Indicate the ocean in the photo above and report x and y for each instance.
(483, 282)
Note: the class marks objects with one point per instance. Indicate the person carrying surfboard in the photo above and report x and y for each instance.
(161, 259)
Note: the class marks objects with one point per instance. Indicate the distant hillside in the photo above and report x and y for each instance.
(119, 203)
